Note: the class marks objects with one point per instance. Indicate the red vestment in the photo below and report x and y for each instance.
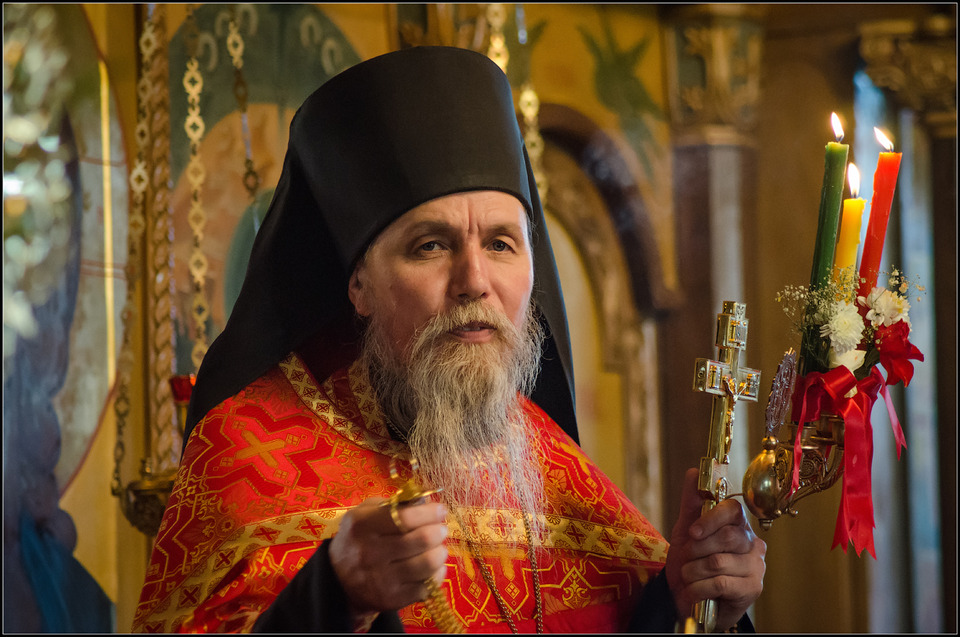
(268, 473)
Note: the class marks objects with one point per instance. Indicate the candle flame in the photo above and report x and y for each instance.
(883, 139)
(837, 127)
(853, 178)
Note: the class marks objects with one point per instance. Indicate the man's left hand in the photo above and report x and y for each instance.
(714, 556)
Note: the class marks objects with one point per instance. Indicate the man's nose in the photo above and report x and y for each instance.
(470, 279)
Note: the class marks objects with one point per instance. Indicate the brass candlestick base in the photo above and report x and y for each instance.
(145, 500)
(766, 483)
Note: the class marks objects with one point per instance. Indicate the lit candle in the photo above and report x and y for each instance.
(884, 183)
(835, 163)
(849, 238)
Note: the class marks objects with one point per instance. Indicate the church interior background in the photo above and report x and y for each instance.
(681, 158)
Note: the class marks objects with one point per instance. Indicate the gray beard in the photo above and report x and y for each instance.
(459, 407)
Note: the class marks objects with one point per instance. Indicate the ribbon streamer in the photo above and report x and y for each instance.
(838, 392)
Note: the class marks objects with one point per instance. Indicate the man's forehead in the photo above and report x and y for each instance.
(490, 207)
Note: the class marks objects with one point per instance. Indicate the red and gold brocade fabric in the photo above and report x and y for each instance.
(268, 474)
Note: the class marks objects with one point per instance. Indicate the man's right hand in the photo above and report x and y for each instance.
(381, 568)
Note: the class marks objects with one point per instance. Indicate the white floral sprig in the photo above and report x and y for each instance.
(834, 329)
(886, 307)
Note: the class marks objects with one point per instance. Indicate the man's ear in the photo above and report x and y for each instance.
(358, 293)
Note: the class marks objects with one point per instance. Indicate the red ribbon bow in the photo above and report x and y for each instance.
(895, 351)
(826, 393)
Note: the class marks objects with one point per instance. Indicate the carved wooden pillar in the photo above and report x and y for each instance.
(713, 57)
(916, 61)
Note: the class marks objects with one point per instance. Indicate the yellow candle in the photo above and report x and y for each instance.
(849, 239)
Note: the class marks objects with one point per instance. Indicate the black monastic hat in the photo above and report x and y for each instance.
(373, 142)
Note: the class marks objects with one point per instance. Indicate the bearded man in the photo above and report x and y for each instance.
(402, 310)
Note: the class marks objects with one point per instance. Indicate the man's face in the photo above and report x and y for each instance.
(449, 251)
(452, 344)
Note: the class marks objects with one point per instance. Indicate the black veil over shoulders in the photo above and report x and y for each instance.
(380, 138)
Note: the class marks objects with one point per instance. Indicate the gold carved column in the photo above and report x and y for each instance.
(713, 57)
(714, 73)
(917, 63)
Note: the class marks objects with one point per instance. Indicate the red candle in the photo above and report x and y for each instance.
(884, 184)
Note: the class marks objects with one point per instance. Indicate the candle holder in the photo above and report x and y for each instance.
(767, 482)
(850, 327)
(853, 347)
(145, 500)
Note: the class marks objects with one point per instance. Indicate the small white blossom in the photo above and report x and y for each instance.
(886, 308)
(845, 328)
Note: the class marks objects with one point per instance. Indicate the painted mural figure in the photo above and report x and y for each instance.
(402, 309)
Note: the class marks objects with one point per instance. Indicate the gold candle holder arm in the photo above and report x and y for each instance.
(768, 480)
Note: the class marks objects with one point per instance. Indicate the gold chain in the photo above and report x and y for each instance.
(196, 173)
(488, 575)
(496, 16)
(529, 101)
(152, 74)
(139, 180)
(530, 108)
(235, 45)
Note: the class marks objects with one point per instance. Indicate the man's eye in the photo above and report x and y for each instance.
(430, 246)
(500, 246)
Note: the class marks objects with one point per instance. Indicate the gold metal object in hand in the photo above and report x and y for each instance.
(768, 480)
(411, 493)
(436, 603)
(729, 383)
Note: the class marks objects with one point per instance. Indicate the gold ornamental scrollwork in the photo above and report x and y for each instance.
(459, 25)
(714, 59)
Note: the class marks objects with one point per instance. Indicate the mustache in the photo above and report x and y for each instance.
(469, 315)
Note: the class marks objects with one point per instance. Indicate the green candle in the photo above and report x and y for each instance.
(831, 196)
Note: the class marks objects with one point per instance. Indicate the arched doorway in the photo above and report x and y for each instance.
(612, 287)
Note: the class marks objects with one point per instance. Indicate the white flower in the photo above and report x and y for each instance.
(851, 359)
(886, 308)
(845, 328)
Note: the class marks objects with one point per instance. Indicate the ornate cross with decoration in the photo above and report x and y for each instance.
(728, 382)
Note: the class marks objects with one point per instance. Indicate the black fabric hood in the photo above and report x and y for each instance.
(380, 138)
